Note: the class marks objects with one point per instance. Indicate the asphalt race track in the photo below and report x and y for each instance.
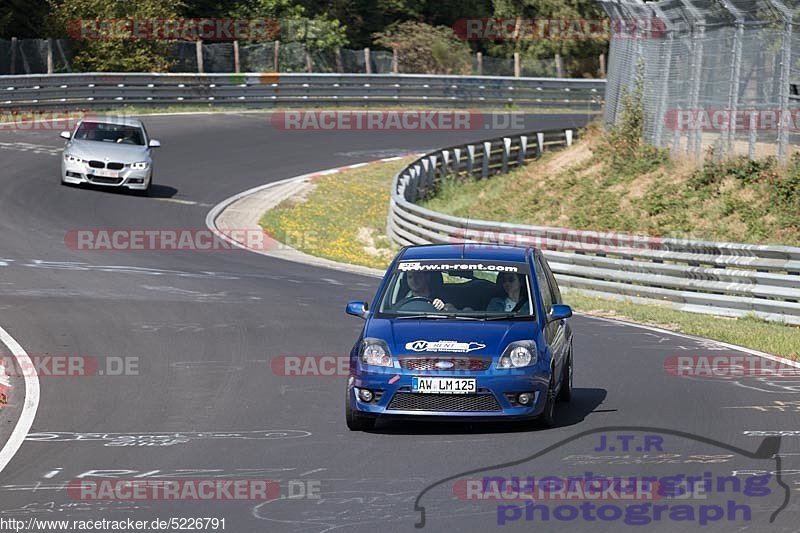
(206, 402)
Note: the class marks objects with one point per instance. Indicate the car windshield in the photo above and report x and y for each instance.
(110, 133)
(479, 290)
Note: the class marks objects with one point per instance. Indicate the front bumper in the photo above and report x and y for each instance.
(494, 400)
(80, 173)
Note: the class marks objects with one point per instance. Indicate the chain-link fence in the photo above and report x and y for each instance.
(717, 74)
(30, 56)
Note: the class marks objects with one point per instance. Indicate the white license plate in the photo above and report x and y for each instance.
(106, 173)
(444, 385)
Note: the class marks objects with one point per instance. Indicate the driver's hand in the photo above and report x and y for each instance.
(438, 304)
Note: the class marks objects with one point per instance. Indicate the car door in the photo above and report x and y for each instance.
(555, 332)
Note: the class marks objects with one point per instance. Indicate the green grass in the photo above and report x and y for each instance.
(750, 332)
(591, 187)
(342, 218)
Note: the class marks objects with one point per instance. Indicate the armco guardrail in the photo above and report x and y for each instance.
(717, 278)
(259, 89)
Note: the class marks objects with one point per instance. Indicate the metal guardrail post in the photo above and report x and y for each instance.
(540, 140)
(506, 153)
(522, 154)
(487, 156)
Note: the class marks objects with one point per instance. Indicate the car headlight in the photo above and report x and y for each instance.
(72, 159)
(518, 355)
(376, 352)
(140, 166)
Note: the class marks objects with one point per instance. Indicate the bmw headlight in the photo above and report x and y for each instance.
(375, 352)
(518, 355)
(140, 166)
(72, 159)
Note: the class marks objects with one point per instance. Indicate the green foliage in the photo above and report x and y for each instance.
(318, 32)
(426, 49)
(548, 48)
(113, 54)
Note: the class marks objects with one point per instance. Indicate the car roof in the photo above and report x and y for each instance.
(112, 119)
(469, 251)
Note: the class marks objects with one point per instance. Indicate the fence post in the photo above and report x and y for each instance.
(309, 63)
(662, 99)
(751, 148)
(339, 60)
(602, 65)
(395, 62)
(517, 66)
(49, 56)
(198, 47)
(559, 66)
(236, 64)
(367, 64)
(13, 55)
(786, 65)
(276, 54)
(695, 134)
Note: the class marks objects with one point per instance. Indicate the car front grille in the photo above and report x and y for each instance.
(104, 181)
(459, 363)
(111, 166)
(409, 401)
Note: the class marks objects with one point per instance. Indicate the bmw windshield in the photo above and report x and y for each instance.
(461, 289)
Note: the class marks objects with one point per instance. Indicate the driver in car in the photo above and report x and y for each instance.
(421, 286)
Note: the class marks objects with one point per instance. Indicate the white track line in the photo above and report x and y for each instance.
(30, 404)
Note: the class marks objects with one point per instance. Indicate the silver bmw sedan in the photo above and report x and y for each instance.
(109, 151)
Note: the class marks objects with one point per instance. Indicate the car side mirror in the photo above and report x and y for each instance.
(65, 135)
(358, 309)
(559, 312)
(154, 143)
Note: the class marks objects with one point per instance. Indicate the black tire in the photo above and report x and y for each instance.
(355, 422)
(565, 394)
(548, 417)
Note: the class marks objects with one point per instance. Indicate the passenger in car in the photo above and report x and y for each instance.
(515, 300)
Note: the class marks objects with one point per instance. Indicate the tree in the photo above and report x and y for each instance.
(568, 46)
(108, 50)
(426, 49)
(318, 32)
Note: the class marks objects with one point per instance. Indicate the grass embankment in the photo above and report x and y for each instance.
(595, 186)
(343, 218)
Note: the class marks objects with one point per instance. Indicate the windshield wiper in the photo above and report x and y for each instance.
(507, 316)
(451, 315)
(410, 317)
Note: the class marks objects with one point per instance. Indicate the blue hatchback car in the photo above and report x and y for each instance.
(467, 331)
